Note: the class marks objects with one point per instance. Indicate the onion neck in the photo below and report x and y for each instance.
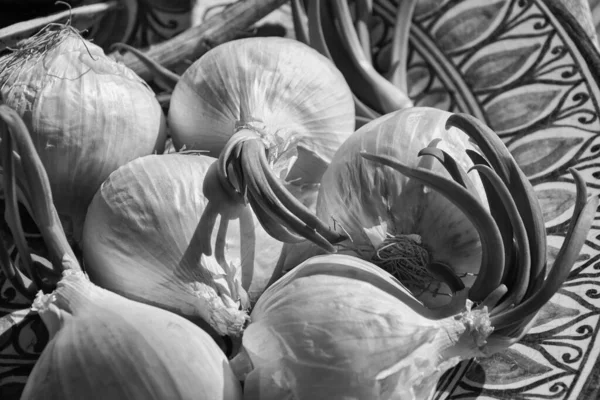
(221, 299)
(245, 173)
(72, 293)
(471, 329)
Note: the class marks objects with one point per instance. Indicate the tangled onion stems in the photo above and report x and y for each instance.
(345, 38)
(14, 136)
(514, 281)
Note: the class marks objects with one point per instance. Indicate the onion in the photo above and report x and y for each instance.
(394, 221)
(140, 240)
(273, 110)
(87, 114)
(103, 346)
(338, 327)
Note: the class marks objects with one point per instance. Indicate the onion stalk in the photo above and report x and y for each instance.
(345, 39)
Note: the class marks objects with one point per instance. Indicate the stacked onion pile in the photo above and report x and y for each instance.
(231, 239)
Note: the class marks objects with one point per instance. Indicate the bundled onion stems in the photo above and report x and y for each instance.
(282, 215)
(514, 281)
(345, 38)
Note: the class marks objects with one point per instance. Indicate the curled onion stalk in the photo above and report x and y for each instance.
(513, 268)
(345, 39)
(104, 346)
(273, 111)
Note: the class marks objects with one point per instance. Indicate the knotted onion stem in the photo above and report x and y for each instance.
(513, 298)
(243, 169)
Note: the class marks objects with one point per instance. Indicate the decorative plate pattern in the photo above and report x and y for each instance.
(527, 69)
(524, 68)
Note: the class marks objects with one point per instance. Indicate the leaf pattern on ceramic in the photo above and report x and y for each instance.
(547, 150)
(467, 24)
(435, 98)
(552, 252)
(381, 60)
(10, 295)
(506, 367)
(553, 311)
(419, 79)
(555, 201)
(378, 30)
(424, 8)
(501, 63)
(522, 74)
(592, 150)
(521, 107)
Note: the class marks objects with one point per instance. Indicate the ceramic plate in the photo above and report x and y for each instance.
(528, 70)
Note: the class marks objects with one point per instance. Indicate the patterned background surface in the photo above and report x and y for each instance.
(528, 71)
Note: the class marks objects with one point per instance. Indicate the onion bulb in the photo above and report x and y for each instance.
(86, 113)
(339, 327)
(104, 346)
(274, 111)
(395, 222)
(140, 240)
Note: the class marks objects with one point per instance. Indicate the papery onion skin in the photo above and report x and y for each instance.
(282, 88)
(367, 201)
(141, 221)
(87, 115)
(325, 330)
(106, 347)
